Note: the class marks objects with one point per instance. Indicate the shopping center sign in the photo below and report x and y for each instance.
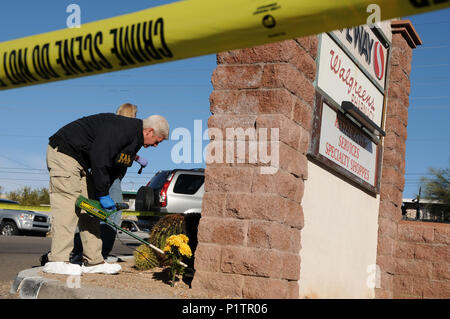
(352, 70)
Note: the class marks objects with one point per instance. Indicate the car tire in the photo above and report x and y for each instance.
(145, 198)
(9, 228)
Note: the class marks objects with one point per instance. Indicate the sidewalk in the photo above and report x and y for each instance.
(128, 284)
(34, 284)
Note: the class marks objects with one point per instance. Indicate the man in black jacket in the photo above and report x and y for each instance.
(84, 158)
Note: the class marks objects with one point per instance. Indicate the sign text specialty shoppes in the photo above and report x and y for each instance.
(345, 145)
(352, 67)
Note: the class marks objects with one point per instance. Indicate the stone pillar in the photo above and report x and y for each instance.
(404, 40)
(249, 233)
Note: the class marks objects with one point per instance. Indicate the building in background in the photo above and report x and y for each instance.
(425, 210)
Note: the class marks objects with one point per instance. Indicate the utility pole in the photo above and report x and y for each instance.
(418, 204)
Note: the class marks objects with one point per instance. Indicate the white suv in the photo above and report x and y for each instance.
(173, 191)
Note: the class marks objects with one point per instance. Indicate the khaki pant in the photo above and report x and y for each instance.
(68, 180)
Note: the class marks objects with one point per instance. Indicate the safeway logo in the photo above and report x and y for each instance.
(378, 60)
(362, 43)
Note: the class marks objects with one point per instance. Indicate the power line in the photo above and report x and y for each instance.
(25, 136)
(426, 83)
(15, 161)
(28, 173)
(24, 179)
(145, 85)
(187, 108)
(414, 79)
(24, 169)
(431, 65)
(429, 107)
(142, 176)
(439, 42)
(436, 22)
(429, 97)
(434, 47)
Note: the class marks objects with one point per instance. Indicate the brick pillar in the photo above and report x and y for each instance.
(249, 233)
(404, 39)
(422, 260)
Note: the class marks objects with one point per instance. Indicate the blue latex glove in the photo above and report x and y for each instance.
(107, 202)
(141, 161)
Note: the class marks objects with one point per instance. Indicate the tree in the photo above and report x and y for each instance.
(437, 190)
(28, 196)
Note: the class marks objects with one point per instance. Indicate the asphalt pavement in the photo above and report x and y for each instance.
(19, 258)
(22, 252)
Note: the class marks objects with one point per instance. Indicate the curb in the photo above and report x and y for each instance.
(30, 285)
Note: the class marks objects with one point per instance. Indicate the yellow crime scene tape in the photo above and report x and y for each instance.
(182, 30)
(25, 207)
(46, 209)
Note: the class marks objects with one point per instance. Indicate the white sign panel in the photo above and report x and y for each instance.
(385, 28)
(344, 144)
(341, 79)
(367, 49)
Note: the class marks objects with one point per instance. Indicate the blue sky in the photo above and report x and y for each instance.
(180, 91)
(428, 143)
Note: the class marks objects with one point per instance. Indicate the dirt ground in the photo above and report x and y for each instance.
(150, 281)
(5, 287)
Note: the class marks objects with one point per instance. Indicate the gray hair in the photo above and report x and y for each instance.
(159, 124)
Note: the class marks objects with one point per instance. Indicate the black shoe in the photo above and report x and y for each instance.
(76, 259)
(44, 259)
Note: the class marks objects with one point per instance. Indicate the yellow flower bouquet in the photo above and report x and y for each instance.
(175, 249)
